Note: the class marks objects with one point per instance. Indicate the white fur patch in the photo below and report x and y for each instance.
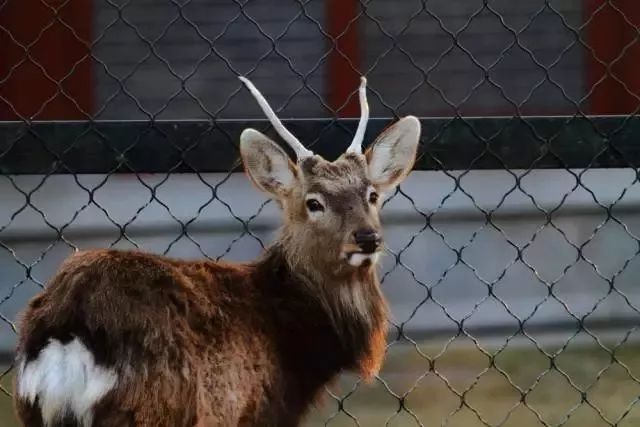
(357, 260)
(65, 379)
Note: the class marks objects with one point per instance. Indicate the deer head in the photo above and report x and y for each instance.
(331, 209)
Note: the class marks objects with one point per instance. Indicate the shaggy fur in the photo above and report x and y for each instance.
(230, 345)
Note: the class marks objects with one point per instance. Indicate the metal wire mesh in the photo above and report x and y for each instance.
(512, 252)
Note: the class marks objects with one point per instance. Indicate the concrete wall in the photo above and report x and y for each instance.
(208, 42)
(486, 40)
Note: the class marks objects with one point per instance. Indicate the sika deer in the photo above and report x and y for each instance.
(125, 338)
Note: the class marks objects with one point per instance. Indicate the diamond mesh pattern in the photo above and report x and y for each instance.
(513, 290)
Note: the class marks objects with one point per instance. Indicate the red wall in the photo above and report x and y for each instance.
(38, 53)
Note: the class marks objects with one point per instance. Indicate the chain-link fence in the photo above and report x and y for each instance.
(513, 248)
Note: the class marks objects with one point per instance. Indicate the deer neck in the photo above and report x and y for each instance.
(344, 308)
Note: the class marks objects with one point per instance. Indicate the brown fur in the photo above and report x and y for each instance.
(201, 343)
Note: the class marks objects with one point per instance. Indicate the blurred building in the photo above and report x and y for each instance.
(179, 60)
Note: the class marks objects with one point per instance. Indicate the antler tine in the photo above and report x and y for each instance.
(356, 144)
(298, 148)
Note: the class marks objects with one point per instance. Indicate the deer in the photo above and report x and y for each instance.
(129, 338)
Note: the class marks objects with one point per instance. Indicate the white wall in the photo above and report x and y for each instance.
(127, 200)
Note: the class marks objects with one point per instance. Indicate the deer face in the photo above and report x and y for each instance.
(331, 209)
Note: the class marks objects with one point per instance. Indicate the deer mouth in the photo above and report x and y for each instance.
(357, 257)
(362, 259)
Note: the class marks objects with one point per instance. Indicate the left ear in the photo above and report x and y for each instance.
(392, 155)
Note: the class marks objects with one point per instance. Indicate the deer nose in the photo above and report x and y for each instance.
(367, 239)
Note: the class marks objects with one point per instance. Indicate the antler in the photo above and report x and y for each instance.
(294, 143)
(356, 144)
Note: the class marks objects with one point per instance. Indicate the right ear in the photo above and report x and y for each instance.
(391, 157)
(268, 165)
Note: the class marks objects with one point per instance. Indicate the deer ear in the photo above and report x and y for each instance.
(268, 166)
(392, 155)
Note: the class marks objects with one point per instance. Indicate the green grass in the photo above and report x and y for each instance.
(491, 395)
(431, 388)
(7, 418)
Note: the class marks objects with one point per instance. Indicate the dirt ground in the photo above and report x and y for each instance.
(459, 385)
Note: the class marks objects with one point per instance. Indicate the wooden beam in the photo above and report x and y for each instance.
(611, 32)
(344, 58)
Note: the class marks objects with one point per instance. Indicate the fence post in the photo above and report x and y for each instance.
(344, 58)
(613, 41)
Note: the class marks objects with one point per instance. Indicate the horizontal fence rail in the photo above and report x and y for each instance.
(201, 146)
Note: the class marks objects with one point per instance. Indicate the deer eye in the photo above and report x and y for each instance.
(314, 206)
(373, 197)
